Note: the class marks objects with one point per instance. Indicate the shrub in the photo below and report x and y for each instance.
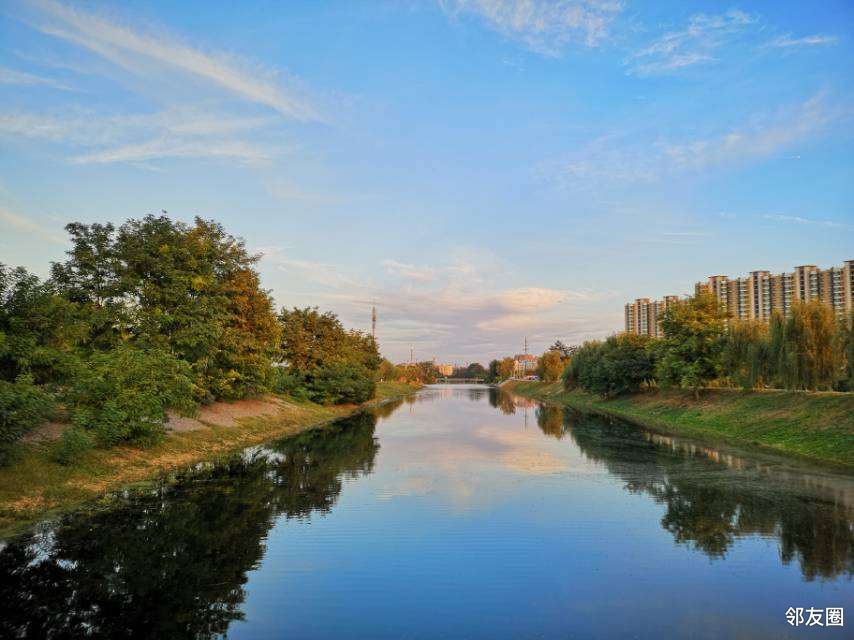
(341, 383)
(123, 394)
(23, 406)
(73, 443)
(282, 380)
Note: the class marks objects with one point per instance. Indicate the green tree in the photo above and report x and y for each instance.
(550, 366)
(190, 289)
(804, 346)
(745, 353)
(506, 367)
(690, 351)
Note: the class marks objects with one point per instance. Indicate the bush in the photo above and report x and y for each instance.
(122, 395)
(23, 406)
(621, 364)
(288, 382)
(73, 443)
(341, 383)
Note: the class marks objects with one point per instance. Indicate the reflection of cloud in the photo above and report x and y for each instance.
(407, 487)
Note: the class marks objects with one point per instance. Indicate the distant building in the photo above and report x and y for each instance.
(523, 364)
(643, 316)
(761, 293)
(445, 370)
(756, 296)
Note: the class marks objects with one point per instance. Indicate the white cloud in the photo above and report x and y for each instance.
(10, 76)
(179, 132)
(810, 221)
(628, 158)
(788, 42)
(412, 272)
(27, 225)
(166, 148)
(693, 45)
(149, 54)
(545, 26)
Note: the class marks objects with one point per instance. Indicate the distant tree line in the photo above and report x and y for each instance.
(809, 349)
(158, 315)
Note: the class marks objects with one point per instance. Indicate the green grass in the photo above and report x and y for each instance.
(815, 426)
(34, 486)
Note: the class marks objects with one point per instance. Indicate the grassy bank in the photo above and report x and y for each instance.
(35, 486)
(815, 426)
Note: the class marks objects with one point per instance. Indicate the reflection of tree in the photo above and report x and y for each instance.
(385, 409)
(502, 401)
(709, 505)
(552, 420)
(171, 562)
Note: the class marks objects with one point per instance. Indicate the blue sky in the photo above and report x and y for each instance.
(481, 170)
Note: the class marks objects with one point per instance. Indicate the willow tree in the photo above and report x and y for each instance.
(804, 347)
(745, 353)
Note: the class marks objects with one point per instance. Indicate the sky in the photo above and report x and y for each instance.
(481, 171)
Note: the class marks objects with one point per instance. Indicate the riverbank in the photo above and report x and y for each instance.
(35, 486)
(814, 426)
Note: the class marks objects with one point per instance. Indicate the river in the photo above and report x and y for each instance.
(460, 512)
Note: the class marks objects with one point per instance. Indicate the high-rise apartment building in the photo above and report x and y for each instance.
(756, 296)
(643, 316)
(760, 294)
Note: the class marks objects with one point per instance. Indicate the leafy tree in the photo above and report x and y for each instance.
(23, 406)
(565, 351)
(690, 351)
(340, 382)
(550, 366)
(474, 370)
(123, 394)
(745, 353)
(39, 330)
(805, 349)
(310, 339)
(492, 374)
(506, 367)
(190, 289)
(846, 339)
(620, 364)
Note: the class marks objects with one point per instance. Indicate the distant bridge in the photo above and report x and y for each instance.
(460, 381)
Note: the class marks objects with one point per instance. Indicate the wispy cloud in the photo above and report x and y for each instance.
(28, 225)
(174, 133)
(10, 76)
(410, 271)
(148, 53)
(809, 221)
(628, 158)
(695, 44)
(545, 26)
(788, 42)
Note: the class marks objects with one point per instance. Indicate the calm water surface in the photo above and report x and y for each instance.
(460, 513)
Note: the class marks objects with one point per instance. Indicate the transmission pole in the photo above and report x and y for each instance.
(374, 323)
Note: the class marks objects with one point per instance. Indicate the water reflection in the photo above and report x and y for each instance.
(172, 562)
(714, 497)
(477, 505)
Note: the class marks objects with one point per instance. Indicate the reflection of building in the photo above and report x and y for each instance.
(523, 364)
(446, 370)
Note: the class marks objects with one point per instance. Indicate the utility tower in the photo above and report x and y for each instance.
(374, 323)
(526, 345)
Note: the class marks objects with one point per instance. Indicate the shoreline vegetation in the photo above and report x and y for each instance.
(35, 486)
(814, 426)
